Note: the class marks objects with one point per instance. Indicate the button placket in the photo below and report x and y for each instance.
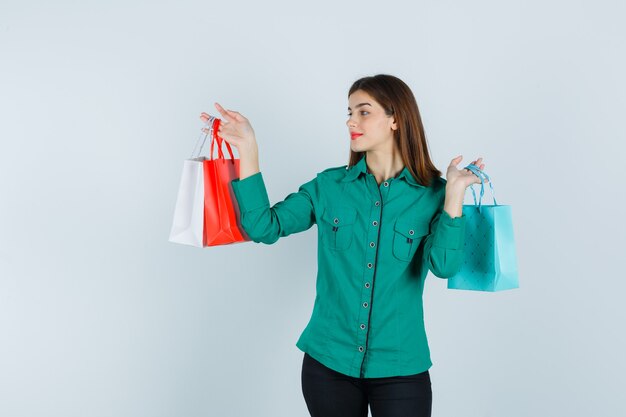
(373, 236)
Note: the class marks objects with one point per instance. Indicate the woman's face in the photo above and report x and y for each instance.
(368, 117)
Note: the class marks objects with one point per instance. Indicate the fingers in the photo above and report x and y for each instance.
(480, 167)
(455, 161)
(478, 164)
(227, 114)
(204, 117)
(219, 129)
(208, 129)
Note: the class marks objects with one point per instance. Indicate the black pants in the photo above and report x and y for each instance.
(329, 393)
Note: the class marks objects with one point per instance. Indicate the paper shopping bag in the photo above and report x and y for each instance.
(207, 213)
(221, 211)
(490, 262)
(188, 225)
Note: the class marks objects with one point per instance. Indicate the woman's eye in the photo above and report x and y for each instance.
(362, 111)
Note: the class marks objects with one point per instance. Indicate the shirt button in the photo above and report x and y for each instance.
(372, 244)
(360, 348)
(375, 223)
(377, 203)
(411, 232)
(367, 285)
(365, 304)
(362, 326)
(369, 265)
(385, 183)
(336, 220)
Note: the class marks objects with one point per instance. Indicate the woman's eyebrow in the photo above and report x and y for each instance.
(359, 105)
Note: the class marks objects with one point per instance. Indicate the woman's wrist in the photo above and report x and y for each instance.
(453, 203)
(248, 162)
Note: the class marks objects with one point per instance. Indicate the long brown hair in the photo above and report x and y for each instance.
(398, 100)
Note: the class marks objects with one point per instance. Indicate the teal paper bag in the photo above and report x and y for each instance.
(490, 258)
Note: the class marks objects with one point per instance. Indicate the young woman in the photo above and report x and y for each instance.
(383, 221)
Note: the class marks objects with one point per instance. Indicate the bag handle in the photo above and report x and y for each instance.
(219, 140)
(212, 124)
(482, 175)
(201, 137)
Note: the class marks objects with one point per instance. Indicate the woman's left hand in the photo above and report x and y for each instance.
(462, 178)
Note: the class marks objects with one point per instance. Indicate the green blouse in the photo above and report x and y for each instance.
(376, 244)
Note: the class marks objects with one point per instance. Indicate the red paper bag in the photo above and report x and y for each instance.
(221, 211)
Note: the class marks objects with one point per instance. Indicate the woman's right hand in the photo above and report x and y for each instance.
(234, 129)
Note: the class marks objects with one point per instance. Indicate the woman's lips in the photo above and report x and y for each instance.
(355, 135)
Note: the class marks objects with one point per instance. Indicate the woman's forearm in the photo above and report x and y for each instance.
(453, 203)
(248, 161)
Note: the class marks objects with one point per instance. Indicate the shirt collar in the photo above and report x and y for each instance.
(360, 167)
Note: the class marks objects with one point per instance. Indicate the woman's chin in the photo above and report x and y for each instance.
(355, 147)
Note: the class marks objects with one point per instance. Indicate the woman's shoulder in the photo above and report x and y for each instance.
(439, 182)
(437, 187)
(341, 169)
(336, 172)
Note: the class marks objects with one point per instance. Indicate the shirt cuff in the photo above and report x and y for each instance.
(250, 192)
(450, 232)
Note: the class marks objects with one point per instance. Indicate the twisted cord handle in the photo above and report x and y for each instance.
(482, 175)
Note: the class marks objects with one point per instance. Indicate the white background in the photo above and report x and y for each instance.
(99, 101)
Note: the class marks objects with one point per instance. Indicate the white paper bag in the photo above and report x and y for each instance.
(188, 225)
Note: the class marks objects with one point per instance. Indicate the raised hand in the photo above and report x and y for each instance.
(462, 178)
(234, 129)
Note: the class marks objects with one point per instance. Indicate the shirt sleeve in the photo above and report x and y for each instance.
(265, 224)
(444, 248)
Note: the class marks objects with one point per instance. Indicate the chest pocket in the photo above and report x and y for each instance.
(407, 236)
(337, 227)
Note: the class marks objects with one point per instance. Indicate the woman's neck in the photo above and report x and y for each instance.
(383, 165)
